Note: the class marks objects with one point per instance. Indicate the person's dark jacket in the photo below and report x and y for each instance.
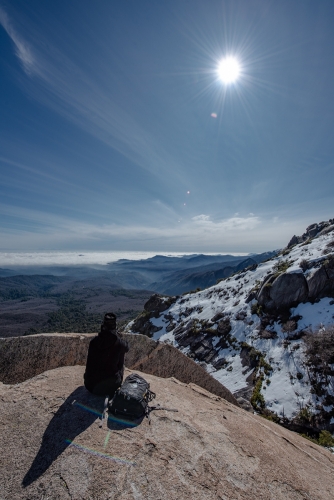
(105, 362)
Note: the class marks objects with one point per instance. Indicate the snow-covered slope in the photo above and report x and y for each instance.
(256, 348)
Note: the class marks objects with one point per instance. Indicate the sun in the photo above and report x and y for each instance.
(228, 70)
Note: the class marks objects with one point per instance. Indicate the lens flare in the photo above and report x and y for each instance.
(111, 418)
(229, 70)
(99, 453)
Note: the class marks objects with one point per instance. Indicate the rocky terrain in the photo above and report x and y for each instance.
(53, 447)
(266, 332)
(25, 357)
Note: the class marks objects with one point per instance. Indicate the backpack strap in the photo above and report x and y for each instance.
(157, 407)
(104, 413)
(149, 396)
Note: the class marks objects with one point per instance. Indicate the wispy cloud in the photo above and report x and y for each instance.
(22, 48)
(34, 230)
(231, 224)
(63, 86)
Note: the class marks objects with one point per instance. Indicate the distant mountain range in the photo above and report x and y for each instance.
(74, 298)
(163, 274)
(176, 275)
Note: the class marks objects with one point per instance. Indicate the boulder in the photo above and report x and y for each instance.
(158, 303)
(263, 297)
(294, 241)
(202, 352)
(139, 323)
(217, 317)
(219, 363)
(170, 327)
(311, 230)
(287, 290)
(327, 229)
(321, 281)
(224, 327)
(143, 325)
(251, 296)
(316, 282)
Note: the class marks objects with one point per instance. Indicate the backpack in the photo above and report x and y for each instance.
(131, 399)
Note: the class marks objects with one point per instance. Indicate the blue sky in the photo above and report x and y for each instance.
(117, 134)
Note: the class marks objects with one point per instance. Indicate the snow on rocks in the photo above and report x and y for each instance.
(249, 336)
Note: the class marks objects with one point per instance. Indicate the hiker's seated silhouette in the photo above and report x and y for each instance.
(105, 360)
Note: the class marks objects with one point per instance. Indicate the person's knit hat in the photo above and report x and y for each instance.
(109, 321)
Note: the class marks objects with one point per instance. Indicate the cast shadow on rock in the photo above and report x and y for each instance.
(73, 417)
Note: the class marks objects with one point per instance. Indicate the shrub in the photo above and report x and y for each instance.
(257, 400)
(257, 359)
(304, 265)
(320, 347)
(281, 266)
(256, 309)
(329, 262)
(326, 251)
(267, 414)
(224, 327)
(326, 439)
(289, 326)
(304, 415)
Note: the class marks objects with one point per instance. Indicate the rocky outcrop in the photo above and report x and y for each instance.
(143, 325)
(286, 290)
(24, 357)
(294, 241)
(209, 449)
(312, 231)
(159, 303)
(152, 309)
(289, 289)
(327, 229)
(317, 280)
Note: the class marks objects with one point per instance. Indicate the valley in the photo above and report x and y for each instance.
(35, 299)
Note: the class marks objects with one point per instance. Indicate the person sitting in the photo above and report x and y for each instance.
(105, 359)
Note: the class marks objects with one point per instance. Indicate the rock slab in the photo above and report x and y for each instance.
(53, 448)
(24, 357)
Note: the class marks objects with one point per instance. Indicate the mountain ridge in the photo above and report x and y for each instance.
(252, 330)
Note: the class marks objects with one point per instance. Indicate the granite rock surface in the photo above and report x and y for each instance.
(53, 448)
(24, 357)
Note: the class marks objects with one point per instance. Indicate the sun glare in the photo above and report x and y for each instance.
(228, 70)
